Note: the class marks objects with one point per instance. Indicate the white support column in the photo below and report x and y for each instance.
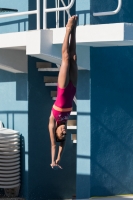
(83, 136)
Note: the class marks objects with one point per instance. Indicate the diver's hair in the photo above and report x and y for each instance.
(58, 140)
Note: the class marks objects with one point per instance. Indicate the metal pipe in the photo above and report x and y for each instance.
(66, 10)
(19, 14)
(69, 10)
(38, 14)
(61, 8)
(44, 14)
(110, 12)
(56, 12)
(64, 17)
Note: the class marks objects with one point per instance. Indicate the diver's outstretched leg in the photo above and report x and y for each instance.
(63, 77)
(73, 70)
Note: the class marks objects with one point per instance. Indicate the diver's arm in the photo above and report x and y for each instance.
(51, 127)
(60, 151)
(52, 138)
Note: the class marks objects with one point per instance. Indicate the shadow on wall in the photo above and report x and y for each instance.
(21, 83)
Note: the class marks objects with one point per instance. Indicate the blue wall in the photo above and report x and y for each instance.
(14, 24)
(111, 109)
(125, 14)
(111, 121)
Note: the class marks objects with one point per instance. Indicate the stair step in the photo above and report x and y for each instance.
(74, 138)
(50, 84)
(53, 93)
(72, 123)
(50, 79)
(72, 127)
(48, 70)
(73, 113)
(43, 65)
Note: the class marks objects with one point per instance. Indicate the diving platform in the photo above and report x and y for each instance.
(46, 44)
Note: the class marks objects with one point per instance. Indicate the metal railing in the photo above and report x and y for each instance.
(57, 9)
(110, 12)
(37, 12)
(57, 4)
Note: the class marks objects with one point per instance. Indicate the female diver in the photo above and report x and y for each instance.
(66, 89)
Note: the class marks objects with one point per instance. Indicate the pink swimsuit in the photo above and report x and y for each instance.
(64, 100)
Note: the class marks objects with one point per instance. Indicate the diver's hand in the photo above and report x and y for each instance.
(55, 166)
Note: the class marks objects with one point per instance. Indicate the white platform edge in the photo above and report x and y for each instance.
(48, 70)
(107, 33)
(71, 127)
(73, 113)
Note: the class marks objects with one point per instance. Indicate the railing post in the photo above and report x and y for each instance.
(69, 10)
(64, 16)
(38, 14)
(58, 14)
(44, 14)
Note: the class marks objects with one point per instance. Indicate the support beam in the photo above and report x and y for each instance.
(83, 136)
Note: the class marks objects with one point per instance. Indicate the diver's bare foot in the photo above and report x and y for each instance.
(70, 23)
(75, 23)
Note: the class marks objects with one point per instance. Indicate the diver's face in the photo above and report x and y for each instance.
(61, 132)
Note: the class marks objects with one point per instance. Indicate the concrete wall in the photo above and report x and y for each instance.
(111, 109)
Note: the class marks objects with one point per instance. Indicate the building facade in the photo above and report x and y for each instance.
(100, 164)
